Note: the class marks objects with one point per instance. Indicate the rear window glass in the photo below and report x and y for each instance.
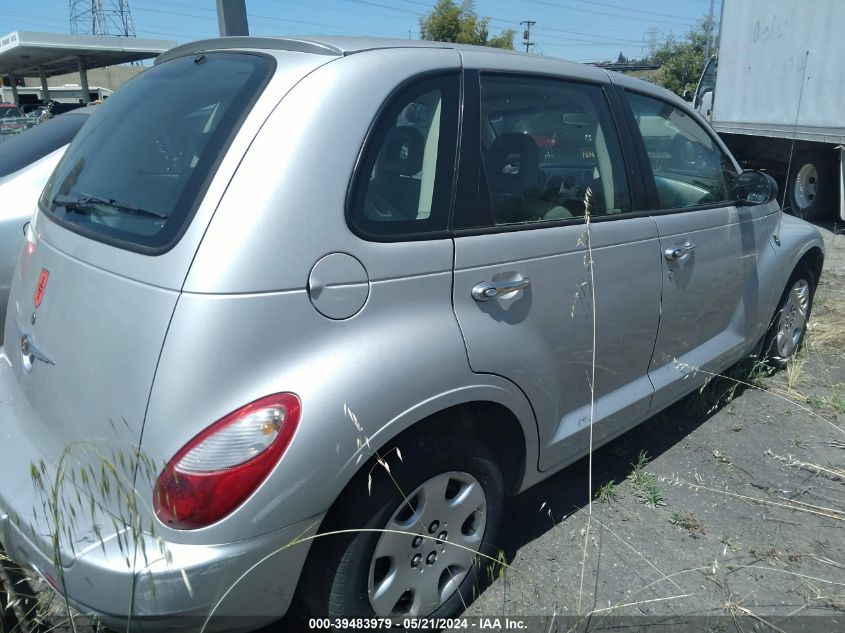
(135, 176)
(24, 149)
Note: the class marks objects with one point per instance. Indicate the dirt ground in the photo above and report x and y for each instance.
(735, 519)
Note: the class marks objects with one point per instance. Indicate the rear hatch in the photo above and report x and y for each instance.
(92, 297)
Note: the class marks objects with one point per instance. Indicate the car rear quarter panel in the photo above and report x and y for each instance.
(396, 363)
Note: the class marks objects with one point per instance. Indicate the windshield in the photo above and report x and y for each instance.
(134, 175)
(8, 113)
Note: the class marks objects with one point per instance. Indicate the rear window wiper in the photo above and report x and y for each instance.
(85, 204)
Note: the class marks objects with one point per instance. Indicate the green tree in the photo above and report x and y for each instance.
(449, 22)
(682, 60)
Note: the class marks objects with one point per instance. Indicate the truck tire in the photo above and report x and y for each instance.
(811, 186)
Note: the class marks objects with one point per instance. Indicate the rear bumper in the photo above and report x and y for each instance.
(165, 586)
(242, 585)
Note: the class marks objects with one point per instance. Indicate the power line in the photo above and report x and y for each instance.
(386, 6)
(643, 11)
(594, 12)
(354, 11)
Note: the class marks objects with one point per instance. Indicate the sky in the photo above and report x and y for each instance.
(579, 30)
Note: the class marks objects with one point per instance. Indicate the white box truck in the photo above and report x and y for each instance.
(775, 93)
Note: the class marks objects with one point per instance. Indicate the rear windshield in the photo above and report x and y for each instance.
(34, 144)
(135, 175)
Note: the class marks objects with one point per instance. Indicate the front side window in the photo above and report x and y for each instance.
(689, 168)
(403, 183)
(135, 173)
(549, 152)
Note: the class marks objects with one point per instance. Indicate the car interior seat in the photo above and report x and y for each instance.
(514, 177)
(394, 190)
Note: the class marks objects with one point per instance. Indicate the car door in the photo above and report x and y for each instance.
(539, 157)
(708, 248)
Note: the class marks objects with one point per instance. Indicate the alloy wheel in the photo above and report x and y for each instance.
(793, 318)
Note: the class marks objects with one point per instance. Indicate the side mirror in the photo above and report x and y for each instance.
(687, 95)
(755, 187)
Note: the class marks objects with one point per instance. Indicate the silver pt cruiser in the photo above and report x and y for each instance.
(295, 316)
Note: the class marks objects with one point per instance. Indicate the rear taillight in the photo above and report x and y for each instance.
(28, 249)
(216, 471)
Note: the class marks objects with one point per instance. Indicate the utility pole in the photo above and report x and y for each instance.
(232, 18)
(709, 32)
(526, 34)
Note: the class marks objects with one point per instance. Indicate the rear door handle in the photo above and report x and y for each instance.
(487, 290)
(678, 252)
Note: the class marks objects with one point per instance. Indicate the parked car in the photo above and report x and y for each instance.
(26, 163)
(12, 120)
(296, 349)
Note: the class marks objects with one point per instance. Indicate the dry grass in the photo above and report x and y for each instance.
(827, 325)
(687, 520)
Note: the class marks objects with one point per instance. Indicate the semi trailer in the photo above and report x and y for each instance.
(775, 93)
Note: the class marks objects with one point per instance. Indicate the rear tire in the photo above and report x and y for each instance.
(811, 186)
(788, 326)
(381, 572)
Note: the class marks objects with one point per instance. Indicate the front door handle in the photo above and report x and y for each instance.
(487, 290)
(678, 252)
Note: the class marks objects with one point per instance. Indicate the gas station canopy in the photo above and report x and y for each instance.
(30, 54)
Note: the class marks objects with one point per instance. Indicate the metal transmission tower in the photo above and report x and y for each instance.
(101, 17)
(650, 39)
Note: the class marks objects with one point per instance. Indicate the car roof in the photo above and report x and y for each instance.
(342, 45)
(333, 45)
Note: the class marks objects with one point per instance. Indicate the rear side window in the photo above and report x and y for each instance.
(135, 176)
(549, 151)
(33, 145)
(403, 183)
(689, 168)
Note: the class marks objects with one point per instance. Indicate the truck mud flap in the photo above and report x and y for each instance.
(841, 149)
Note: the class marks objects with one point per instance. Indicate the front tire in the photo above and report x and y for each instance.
(789, 323)
(425, 555)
